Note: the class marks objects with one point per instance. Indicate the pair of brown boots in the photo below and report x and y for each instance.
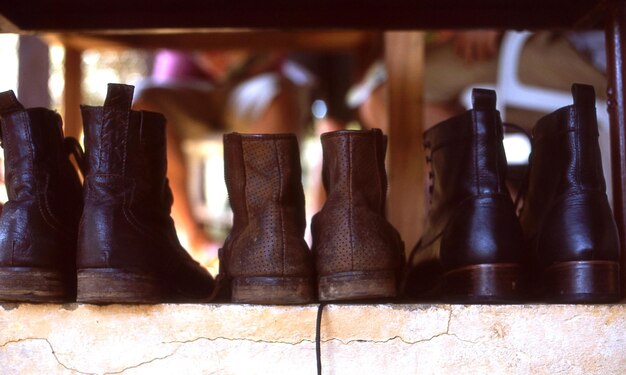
(112, 240)
(356, 254)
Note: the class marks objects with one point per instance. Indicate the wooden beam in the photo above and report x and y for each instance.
(81, 15)
(216, 39)
(404, 56)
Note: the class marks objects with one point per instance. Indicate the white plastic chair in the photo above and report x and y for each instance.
(512, 93)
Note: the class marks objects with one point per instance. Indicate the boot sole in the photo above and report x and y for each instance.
(357, 286)
(115, 285)
(582, 282)
(30, 284)
(484, 283)
(272, 290)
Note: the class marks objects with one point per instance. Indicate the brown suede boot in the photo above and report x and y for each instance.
(568, 224)
(39, 222)
(472, 246)
(128, 251)
(265, 258)
(358, 254)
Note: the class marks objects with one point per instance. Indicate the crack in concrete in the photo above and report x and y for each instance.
(142, 363)
(236, 339)
(74, 370)
(53, 352)
(344, 342)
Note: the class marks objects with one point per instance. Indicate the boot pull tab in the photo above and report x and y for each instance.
(483, 99)
(9, 103)
(584, 95)
(119, 96)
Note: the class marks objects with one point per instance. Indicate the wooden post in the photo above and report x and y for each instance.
(72, 93)
(404, 56)
(34, 70)
(616, 93)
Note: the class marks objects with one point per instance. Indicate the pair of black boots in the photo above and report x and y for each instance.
(108, 240)
(563, 247)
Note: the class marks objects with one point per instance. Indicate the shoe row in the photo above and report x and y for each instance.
(112, 240)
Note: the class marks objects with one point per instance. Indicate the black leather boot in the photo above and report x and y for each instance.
(471, 250)
(128, 251)
(569, 228)
(39, 223)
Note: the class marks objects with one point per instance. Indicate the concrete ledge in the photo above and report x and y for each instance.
(357, 339)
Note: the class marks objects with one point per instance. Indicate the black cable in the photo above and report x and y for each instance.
(318, 338)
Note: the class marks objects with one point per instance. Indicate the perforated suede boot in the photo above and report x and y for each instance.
(39, 222)
(358, 254)
(265, 259)
(128, 251)
(567, 221)
(471, 249)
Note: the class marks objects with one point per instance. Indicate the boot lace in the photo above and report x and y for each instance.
(431, 176)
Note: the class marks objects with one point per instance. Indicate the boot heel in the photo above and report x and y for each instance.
(357, 285)
(114, 285)
(272, 290)
(582, 282)
(29, 284)
(484, 283)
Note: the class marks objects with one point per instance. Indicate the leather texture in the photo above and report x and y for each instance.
(471, 219)
(351, 233)
(566, 214)
(263, 178)
(126, 221)
(38, 226)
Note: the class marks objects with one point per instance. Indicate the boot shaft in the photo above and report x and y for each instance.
(36, 158)
(263, 177)
(354, 169)
(566, 214)
(125, 183)
(466, 154)
(466, 158)
(125, 144)
(566, 154)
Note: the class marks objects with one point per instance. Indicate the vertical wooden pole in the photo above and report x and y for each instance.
(72, 93)
(616, 93)
(404, 57)
(34, 71)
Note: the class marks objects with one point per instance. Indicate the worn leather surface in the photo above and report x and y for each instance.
(351, 233)
(471, 219)
(566, 214)
(39, 222)
(263, 178)
(126, 221)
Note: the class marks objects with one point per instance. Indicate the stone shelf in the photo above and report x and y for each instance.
(357, 339)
